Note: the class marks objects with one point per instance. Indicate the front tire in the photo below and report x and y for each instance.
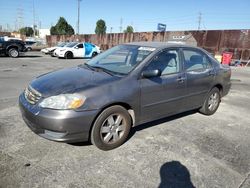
(68, 55)
(13, 52)
(111, 128)
(211, 103)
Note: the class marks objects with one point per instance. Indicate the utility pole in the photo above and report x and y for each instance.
(121, 22)
(199, 21)
(19, 18)
(78, 17)
(34, 32)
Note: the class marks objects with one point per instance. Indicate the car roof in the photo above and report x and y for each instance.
(159, 44)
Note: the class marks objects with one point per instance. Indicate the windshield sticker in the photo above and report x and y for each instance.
(147, 49)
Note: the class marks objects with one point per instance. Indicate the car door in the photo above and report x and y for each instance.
(88, 49)
(163, 95)
(79, 50)
(200, 76)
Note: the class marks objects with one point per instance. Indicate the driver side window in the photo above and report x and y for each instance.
(167, 62)
(80, 45)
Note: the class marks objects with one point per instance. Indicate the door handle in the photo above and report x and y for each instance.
(212, 73)
(180, 79)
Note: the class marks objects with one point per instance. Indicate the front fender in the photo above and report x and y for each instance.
(13, 46)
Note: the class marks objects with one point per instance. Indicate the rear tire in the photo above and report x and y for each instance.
(68, 55)
(13, 52)
(111, 128)
(212, 102)
(94, 54)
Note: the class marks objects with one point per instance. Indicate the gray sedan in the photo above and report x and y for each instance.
(123, 87)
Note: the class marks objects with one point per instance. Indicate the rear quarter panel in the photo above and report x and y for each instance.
(223, 77)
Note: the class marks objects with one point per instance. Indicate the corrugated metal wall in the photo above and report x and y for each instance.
(215, 41)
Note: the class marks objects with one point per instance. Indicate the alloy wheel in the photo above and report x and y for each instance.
(213, 101)
(113, 128)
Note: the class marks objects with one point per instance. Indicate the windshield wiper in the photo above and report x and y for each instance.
(103, 69)
(89, 66)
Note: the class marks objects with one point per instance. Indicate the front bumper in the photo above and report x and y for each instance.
(57, 125)
(61, 54)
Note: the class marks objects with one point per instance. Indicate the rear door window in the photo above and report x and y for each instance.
(195, 60)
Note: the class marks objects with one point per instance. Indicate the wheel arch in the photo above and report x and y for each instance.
(68, 51)
(94, 52)
(220, 87)
(12, 46)
(122, 104)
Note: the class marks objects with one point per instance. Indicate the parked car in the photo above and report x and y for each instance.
(29, 45)
(57, 50)
(121, 88)
(6, 38)
(79, 50)
(51, 49)
(12, 47)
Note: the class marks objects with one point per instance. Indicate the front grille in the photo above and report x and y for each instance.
(31, 95)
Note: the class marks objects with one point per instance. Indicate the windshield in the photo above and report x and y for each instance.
(121, 59)
(72, 44)
(61, 44)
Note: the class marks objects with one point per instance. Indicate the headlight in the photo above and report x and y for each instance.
(63, 102)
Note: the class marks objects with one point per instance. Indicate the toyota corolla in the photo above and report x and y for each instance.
(125, 86)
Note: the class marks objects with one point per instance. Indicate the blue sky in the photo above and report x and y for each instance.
(143, 15)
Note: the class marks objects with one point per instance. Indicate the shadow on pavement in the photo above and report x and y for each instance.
(22, 56)
(87, 143)
(175, 175)
(159, 121)
(29, 56)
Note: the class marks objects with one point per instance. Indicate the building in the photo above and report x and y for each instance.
(43, 33)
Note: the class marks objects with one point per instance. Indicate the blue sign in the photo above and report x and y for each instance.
(161, 27)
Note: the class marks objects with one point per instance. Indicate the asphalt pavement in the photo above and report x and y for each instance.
(187, 150)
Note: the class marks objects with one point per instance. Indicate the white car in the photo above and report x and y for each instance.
(51, 49)
(57, 50)
(79, 50)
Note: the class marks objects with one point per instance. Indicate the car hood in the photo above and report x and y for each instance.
(52, 48)
(70, 80)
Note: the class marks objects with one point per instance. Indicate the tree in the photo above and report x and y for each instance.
(62, 28)
(53, 30)
(129, 29)
(27, 31)
(100, 27)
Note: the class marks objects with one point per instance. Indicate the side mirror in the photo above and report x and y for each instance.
(151, 73)
(76, 47)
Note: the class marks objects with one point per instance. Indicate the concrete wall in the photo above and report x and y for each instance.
(215, 41)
